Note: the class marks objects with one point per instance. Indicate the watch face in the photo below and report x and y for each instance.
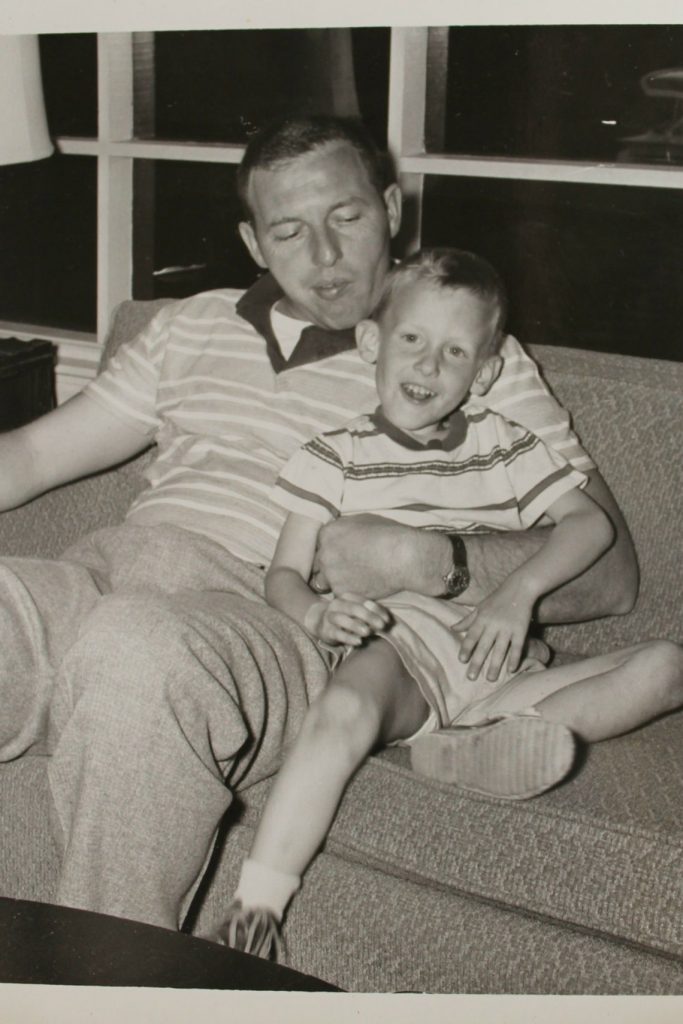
(457, 580)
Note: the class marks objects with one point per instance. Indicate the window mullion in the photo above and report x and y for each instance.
(114, 176)
(406, 127)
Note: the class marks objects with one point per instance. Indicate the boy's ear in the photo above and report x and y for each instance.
(367, 340)
(487, 374)
(248, 236)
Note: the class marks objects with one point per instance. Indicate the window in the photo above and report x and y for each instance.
(569, 92)
(556, 150)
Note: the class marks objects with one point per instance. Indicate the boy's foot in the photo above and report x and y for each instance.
(252, 930)
(515, 756)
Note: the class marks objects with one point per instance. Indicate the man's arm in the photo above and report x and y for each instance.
(608, 587)
(75, 439)
(370, 556)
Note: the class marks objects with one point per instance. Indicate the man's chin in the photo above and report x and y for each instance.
(340, 319)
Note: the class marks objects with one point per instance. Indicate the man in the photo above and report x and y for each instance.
(149, 666)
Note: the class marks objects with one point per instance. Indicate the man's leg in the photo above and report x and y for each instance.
(162, 703)
(41, 605)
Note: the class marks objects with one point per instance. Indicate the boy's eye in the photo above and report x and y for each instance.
(409, 337)
(455, 350)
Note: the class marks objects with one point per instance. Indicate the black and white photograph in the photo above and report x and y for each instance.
(271, 746)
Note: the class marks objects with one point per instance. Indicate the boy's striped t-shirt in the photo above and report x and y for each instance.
(200, 382)
(488, 474)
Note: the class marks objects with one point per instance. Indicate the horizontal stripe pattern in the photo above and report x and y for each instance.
(199, 382)
(501, 477)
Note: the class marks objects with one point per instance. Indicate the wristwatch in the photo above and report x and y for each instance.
(457, 579)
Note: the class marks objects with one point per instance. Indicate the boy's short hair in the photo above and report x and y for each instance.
(291, 137)
(453, 269)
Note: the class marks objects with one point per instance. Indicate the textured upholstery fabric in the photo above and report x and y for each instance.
(577, 891)
(629, 414)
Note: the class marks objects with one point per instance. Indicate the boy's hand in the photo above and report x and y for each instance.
(496, 629)
(348, 619)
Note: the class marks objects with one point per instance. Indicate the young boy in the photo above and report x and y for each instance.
(408, 670)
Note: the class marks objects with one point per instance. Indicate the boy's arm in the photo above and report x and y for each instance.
(498, 626)
(286, 583)
(347, 619)
(376, 558)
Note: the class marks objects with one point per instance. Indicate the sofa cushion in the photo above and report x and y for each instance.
(602, 852)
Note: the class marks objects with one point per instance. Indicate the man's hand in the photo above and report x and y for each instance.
(347, 619)
(496, 630)
(370, 556)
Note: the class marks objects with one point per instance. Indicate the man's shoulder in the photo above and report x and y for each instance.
(198, 319)
(218, 302)
(513, 349)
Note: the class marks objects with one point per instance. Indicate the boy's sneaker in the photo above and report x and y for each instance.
(514, 756)
(252, 930)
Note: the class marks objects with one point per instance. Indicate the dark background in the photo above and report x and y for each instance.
(587, 265)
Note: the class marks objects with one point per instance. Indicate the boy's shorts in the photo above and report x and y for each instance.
(425, 635)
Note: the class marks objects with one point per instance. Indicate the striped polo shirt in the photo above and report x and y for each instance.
(486, 474)
(207, 381)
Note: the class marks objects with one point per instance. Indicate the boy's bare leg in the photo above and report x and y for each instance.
(371, 699)
(612, 694)
(599, 697)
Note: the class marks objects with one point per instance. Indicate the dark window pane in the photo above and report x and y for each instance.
(69, 67)
(48, 255)
(219, 86)
(587, 266)
(186, 237)
(564, 92)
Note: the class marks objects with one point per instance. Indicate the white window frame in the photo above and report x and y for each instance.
(115, 150)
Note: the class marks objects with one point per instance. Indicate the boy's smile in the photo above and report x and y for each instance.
(431, 346)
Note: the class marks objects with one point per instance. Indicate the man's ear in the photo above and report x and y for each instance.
(249, 238)
(367, 340)
(487, 374)
(393, 202)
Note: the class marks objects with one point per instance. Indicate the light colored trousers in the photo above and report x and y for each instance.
(147, 665)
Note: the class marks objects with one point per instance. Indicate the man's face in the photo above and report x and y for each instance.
(323, 231)
(431, 349)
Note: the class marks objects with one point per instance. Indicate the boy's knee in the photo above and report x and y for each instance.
(345, 715)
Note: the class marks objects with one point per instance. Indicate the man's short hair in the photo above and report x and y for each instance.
(452, 269)
(291, 137)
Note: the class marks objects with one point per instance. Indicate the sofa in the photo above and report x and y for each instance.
(424, 888)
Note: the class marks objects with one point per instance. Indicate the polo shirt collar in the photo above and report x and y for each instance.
(457, 431)
(315, 342)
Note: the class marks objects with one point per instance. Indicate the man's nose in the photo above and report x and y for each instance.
(326, 248)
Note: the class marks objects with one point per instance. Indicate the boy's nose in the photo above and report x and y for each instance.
(427, 364)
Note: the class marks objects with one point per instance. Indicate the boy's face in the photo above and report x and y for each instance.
(432, 347)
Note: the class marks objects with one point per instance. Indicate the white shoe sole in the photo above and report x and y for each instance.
(515, 758)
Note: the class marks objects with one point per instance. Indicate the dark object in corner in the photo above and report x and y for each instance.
(27, 380)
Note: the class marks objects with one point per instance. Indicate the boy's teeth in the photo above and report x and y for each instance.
(415, 391)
